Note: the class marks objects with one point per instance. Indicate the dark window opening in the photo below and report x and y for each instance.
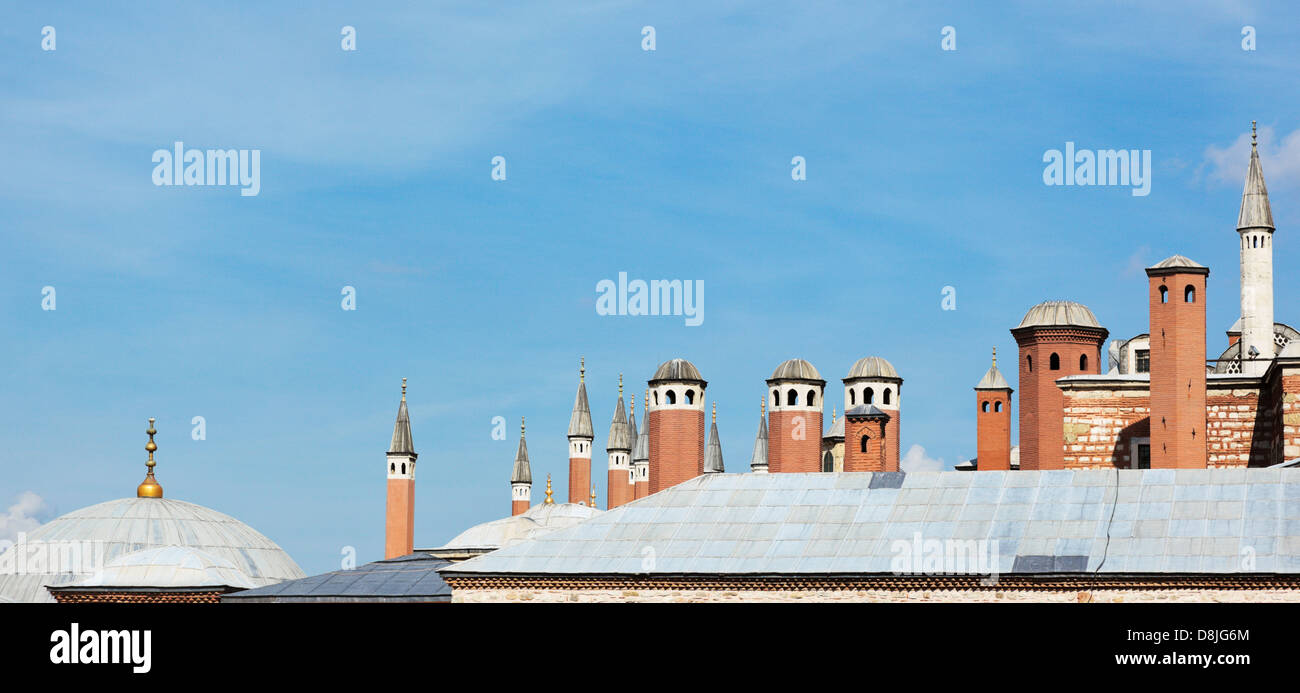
(1143, 361)
(1054, 363)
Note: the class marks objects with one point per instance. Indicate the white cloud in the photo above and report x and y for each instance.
(22, 516)
(916, 461)
(1280, 158)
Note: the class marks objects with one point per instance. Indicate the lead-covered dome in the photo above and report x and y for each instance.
(872, 367)
(127, 525)
(1059, 314)
(795, 369)
(677, 369)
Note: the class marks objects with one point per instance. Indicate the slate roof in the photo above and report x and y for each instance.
(412, 578)
(1116, 522)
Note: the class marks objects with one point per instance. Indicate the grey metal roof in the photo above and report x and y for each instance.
(677, 370)
(412, 578)
(580, 419)
(620, 437)
(713, 452)
(795, 369)
(1255, 211)
(1109, 521)
(1177, 261)
(402, 432)
(1059, 314)
(759, 460)
(871, 367)
(836, 430)
(523, 471)
(993, 380)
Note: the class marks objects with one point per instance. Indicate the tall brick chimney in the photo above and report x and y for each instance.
(676, 413)
(399, 522)
(795, 422)
(872, 381)
(865, 435)
(1176, 292)
(993, 420)
(1056, 339)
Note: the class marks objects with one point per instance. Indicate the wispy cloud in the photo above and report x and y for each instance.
(915, 460)
(1280, 157)
(24, 515)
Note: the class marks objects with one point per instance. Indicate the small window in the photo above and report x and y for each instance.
(392, 468)
(1189, 294)
(812, 398)
(690, 396)
(853, 396)
(997, 406)
(1164, 294)
(1083, 362)
(984, 407)
(792, 397)
(828, 463)
(403, 467)
(776, 398)
(864, 443)
(1054, 363)
(670, 397)
(886, 396)
(868, 396)
(1029, 362)
(1142, 359)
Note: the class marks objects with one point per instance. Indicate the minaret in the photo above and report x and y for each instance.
(1176, 293)
(149, 488)
(619, 447)
(713, 451)
(993, 420)
(676, 413)
(635, 436)
(399, 526)
(580, 437)
(641, 457)
(758, 463)
(521, 481)
(795, 423)
(1255, 226)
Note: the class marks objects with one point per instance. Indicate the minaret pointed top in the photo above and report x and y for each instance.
(713, 451)
(523, 472)
(641, 447)
(402, 429)
(759, 461)
(149, 488)
(1255, 211)
(580, 420)
(621, 437)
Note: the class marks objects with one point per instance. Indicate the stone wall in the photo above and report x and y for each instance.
(989, 595)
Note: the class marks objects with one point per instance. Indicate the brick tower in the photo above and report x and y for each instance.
(581, 436)
(1176, 292)
(758, 463)
(1255, 227)
(619, 446)
(399, 523)
(1056, 339)
(521, 481)
(676, 413)
(640, 476)
(993, 420)
(872, 381)
(865, 435)
(795, 421)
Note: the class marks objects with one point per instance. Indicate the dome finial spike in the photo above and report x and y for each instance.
(549, 500)
(593, 495)
(150, 488)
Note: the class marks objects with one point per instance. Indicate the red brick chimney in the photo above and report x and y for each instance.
(1176, 292)
(993, 420)
(865, 431)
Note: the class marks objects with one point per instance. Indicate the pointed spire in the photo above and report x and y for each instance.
(580, 420)
(402, 429)
(1255, 211)
(993, 379)
(549, 500)
(758, 463)
(620, 437)
(641, 449)
(713, 451)
(523, 473)
(149, 488)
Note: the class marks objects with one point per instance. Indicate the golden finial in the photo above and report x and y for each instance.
(548, 500)
(762, 406)
(582, 370)
(620, 385)
(1252, 133)
(150, 488)
(403, 389)
(833, 416)
(715, 411)
(646, 405)
(593, 495)
(633, 409)
(995, 357)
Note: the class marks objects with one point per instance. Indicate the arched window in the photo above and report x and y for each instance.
(690, 396)
(776, 398)
(403, 467)
(812, 398)
(656, 398)
(864, 443)
(1083, 362)
(984, 407)
(670, 397)
(1164, 294)
(792, 397)
(887, 391)
(828, 463)
(997, 406)
(392, 467)
(853, 396)
(1189, 294)
(1029, 361)
(868, 396)
(1054, 363)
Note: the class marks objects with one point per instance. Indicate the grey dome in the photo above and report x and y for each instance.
(133, 524)
(1177, 261)
(872, 367)
(795, 369)
(168, 566)
(534, 522)
(1059, 313)
(677, 369)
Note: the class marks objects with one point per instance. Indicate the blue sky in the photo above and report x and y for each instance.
(924, 170)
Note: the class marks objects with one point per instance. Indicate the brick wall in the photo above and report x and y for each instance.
(1041, 429)
(874, 459)
(399, 523)
(794, 441)
(993, 429)
(676, 447)
(1176, 301)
